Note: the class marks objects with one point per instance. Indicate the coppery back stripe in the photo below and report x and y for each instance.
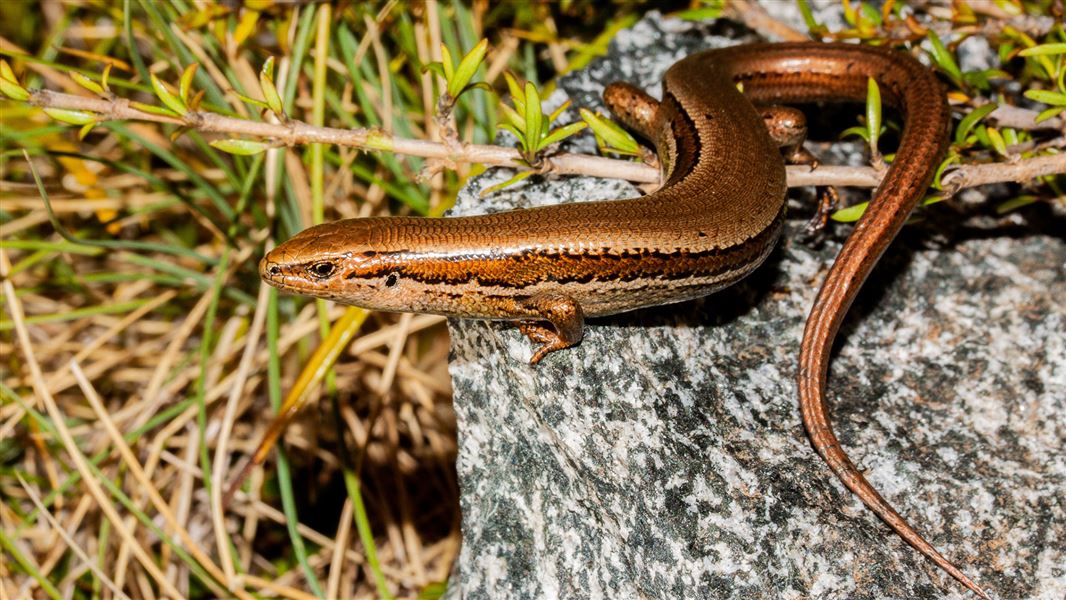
(532, 267)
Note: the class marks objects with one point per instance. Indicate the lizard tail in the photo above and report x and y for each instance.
(839, 289)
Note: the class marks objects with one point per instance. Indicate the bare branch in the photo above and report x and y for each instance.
(1023, 118)
(118, 109)
(297, 132)
(1017, 171)
(756, 17)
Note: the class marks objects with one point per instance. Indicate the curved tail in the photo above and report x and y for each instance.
(924, 141)
(814, 354)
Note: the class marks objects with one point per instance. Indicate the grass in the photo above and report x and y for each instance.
(149, 303)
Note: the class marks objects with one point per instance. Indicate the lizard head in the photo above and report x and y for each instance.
(345, 261)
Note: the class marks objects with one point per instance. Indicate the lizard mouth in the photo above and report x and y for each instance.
(269, 270)
(278, 276)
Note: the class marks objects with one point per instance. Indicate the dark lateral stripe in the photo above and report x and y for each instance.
(689, 146)
(533, 267)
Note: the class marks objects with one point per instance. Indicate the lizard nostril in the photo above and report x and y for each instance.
(275, 270)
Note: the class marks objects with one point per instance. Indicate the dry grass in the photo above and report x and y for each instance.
(140, 360)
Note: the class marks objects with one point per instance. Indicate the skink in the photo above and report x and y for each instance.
(714, 220)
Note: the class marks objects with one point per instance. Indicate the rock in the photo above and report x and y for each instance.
(664, 456)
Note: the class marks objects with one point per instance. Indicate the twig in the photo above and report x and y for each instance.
(1022, 170)
(1023, 118)
(999, 20)
(754, 16)
(297, 132)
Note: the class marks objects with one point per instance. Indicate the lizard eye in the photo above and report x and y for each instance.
(321, 270)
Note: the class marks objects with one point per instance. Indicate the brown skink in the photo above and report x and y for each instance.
(714, 220)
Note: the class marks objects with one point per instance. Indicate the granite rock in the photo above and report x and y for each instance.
(664, 456)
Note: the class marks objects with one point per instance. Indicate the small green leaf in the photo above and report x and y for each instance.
(515, 91)
(446, 63)
(700, 14)
(166, 96)
(72, 117)
(932, 199)
(555, 113)
(1044, 49)
(813, 26)
(519, 176)
(86, 83)
(1005, 51)
(13, 90)
(105, 76)
(870, 14)
(982, 79)
(246, 26)
(177, 133)
(534, 118)
(519, 103)
(480, 85)
(610, 137)
(873, 114)
(1052, 98)
(512, 130)
(9, 84)
(1041, 58)
(1011, 8)
(241, 147)
(1011, 137)
(194, 104)
(1049, 113)
(433, 591)
(1047, 64)
(943, 58)
(858, 130)
(467, 68)
(6, 72)
(253, 101)
(155, 110)
(85, 129)
(436, 67)
(951, 158)
(266, 85)
(975, 116)
(1016, 203)
(849, 214)
(186, 82)
(266, 72)
(513, 117)
(849, 13)
(562, 133)
(998, 143)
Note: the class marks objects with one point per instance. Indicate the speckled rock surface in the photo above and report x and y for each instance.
(664, 456)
